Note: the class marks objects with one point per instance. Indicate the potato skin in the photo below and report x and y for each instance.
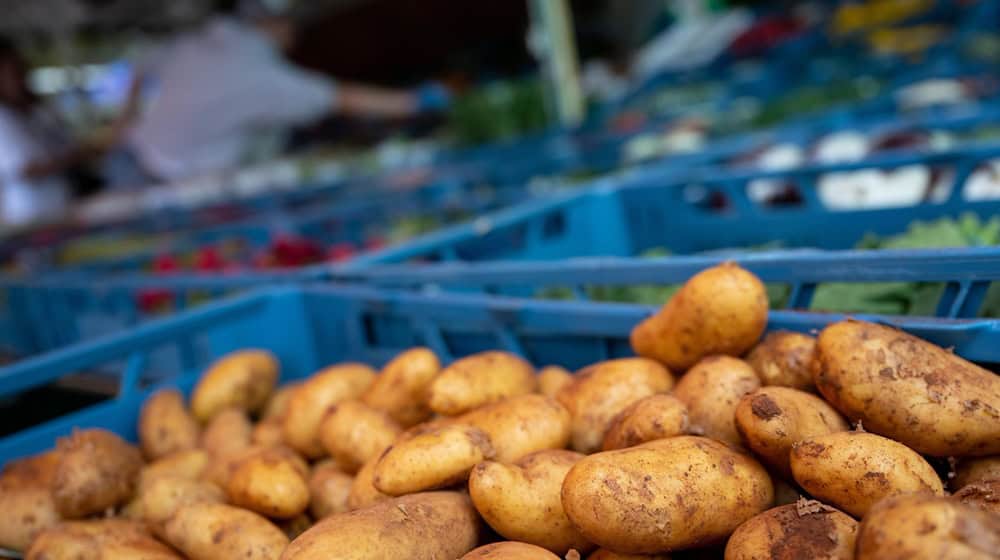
(106, 539)
(329, 488)
(271, 482)
(158, 501)
(480, 379)
(664, 495)
(165, 426)
(908, 389)
(603, 554)
(923, 527)
(521, 425)
(401, 388)
(984, 495)
(277, 405)
(190, 463)
(243, 379)
(711, 391)
(853, 470)
(353, 432)
(311, 399)
(425, 526)
(522, 502)
(551, 380)
(97, 470)
(268, 433)
(600, 392)
(654, 417)
(720, 310)
(510, 551)
(437, 459)
(783, 359)
(223, 532)
(805, 530)
(970, 471)
(26, 500)
(363, 492)
(771, 419)
(228, 431)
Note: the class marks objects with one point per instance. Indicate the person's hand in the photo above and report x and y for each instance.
(432, 97)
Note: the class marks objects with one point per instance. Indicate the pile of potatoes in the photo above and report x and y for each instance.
(713, 443)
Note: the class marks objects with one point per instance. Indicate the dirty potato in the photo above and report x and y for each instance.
(711, 390)
(436, 459)
(782, 359)
(271, 481)
(162, 497)
(99, 540)
(329, 488)
(165, 426)
(229, 430)
(242, 379)
(984, 495)
(353, 432)
(972, 470)
(26, 499)
(311, 399)
(807, 529)
(603, 554)
(401, 388)
(363, 492)
(521, 425)
(551, 380)
(97, 470)
(480, 379)
(223, 532)
(654, 417)
(510, 551)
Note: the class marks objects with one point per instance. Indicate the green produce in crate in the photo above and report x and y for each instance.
(499, 111)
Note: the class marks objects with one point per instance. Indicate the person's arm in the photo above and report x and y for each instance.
(60, 163)
(363, 100)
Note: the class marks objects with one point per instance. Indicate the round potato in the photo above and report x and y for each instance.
(401, 389)
(601, 391)
(222, 532)
(853, 470)
(772, 419)
(271, 482)
(191, 463)
(923, 527)
(522, 502)
(984, 495)
(165, 426)
(98, 540)
(480, 379)
(268, 433)
(158, 501)
(908, 389)
(664, 495)
(711, 390)
(436, 459)
(970, 471)
(720, 310)
(26, 500)
(229, 430)
(311, 399)
(363, 492)
(654, 417)
(329, 488)
(807, 529)
(242, 379)
(552, 379)
(353, 432)
(277, 405)
(782, 359)
(510, 551)
(521, 425)
(603, 554)
(97, 470)
(427, 526)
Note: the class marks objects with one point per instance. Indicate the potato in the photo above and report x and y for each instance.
(908, 389)
(271, 481)
(329, 488)
(311, 399)
(551, 380)
(711, 390)
(521, 425)
(158, 501)
(665, 495)
(277, 405)
(427, 526)
(165, 426)
(923, 527)
(720, 310)
(808, 529)
(401, 389)
(599, 392)
(772, 419)
(363, 492)
(295, 526)
(437, 459)
(853, 470)
(352, 433)
(268, 433)
(26, 500)
(785, 493)
(480, 379)
(97, 470)
(223, 532)
(603, 554)
(107, 539)
(242, 379)
(984, 495)
(510, 551)
(229, 430)
(970, 471)
(191, 464)
(654, 417)
(782, 359)
(522, 502)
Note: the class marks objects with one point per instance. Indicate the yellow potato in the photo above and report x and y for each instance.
(363, 492)
(522, 501)
(908, 389)
(521, 425)
(923, 527)
(97, 470)
(329, 488)
(808, 529)
(785, 493)
(782, 359)
(970, 471)
(107, 539)
(158, 501)
(271, 481)
(229, 430)
(665, 495)
(277, 405)
(853, 470)
(401, 389)
(223, 532)
(311, 399)
(772, 419)
(654, 417)
(984, 495)
(510, 551)
(480, 379)
(551, 380)
(191, 463)
(711, 390)
(242, 379)
(428, 526)
(601, 391)
(26, 501)
(353, 432)
(603, 554)
(720, 310)
(436, 459)
(165, 426)
(268, 433)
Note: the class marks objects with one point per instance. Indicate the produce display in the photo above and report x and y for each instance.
(715, 441)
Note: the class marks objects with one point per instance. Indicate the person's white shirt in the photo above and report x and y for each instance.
(26, 138)
(217, 89)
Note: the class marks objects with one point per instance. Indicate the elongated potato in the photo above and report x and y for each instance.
(436, 459)
(107, 539)
(603, 554)
(165, 426)
(363, 492)
(522, 502)
(664, 495)
(242, 379)
(97, 470)
(401, 388)
(853, 470)
(510, 551)
(329, 488)
(521, 425)
(552, 379)
(711, 391)
(353, 432)
(158, 501)
(229, 430)
(427, 526)
(772, 419)
(271, 482)
(601, 391)
(783, 358)
(191, 464)
(222, 532)
(654, 417)
(277, 405)
(480, 379)
(970, 471)
(908, 389)
(311, 399)
(922, 527)
(807, 529)
(984, 495)
(26, 500)
(720, 310)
